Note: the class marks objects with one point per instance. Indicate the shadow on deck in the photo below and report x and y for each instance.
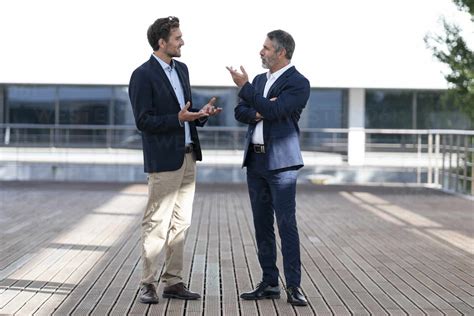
(73, 248)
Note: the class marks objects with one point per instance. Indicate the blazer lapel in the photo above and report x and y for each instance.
(183, 78)
(275, 88)
(274, 92)
(159, 70)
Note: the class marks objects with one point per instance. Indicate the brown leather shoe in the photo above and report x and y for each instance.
(179, 291)
(148, 294)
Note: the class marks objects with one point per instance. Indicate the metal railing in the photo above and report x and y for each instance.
(444, 158)
(450, 155)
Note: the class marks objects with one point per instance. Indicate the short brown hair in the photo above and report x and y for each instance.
(161, 28)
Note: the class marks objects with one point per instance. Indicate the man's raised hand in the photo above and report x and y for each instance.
(239, 78)
(210, 108)
(185, 115)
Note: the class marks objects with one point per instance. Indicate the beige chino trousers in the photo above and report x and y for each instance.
(167, 218)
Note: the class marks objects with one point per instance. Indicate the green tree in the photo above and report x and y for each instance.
(451, 49)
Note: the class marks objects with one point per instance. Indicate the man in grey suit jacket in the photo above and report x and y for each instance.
(271, 106)
(160, 94)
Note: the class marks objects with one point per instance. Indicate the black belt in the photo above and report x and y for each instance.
(189, 148)
(258, 149)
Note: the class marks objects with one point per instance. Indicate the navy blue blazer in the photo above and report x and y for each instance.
(280, 126)
(155, 108)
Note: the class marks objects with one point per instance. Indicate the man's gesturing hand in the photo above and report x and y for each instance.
(239, 78)
(185, 115)
(210, 108)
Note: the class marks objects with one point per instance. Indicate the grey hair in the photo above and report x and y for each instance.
(282, 39)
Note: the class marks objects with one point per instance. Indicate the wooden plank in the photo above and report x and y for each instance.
(212, 298)
(198, 272)
(123, 229)
(359, 255)
(325, 230)
(230, 304)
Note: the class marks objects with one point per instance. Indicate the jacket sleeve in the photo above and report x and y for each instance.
(141, 96)
(244, 113)
(201, 121)
(291, 99)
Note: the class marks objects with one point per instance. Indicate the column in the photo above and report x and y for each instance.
(356, 137)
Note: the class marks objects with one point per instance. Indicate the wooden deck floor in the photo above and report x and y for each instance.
(73, 249)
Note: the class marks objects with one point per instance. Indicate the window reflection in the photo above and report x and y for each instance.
(84, 105)
(30, 104)
(432, 113)
(122, 109)
(388, 109)
(106, 106)
(226, 99)
(326, 108)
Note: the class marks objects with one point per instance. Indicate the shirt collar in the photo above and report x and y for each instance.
(164, 65)
(278, 73)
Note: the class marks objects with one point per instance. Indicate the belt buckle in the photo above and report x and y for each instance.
(259, 149)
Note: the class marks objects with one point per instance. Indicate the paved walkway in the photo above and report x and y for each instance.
(71, 248)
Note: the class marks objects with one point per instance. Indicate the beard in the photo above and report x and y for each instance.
(268, 62)
(174, 53)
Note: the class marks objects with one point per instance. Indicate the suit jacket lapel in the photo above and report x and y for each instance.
(273, 92)
(259, 87)
(183, 78)
(261, 84)
(157, 67)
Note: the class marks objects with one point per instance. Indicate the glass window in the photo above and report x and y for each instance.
(31, 104)
(432, 113)
(84, 105)
(226, 99)
(326, 108)
(388, 109)
(123, 114)
(2, 104)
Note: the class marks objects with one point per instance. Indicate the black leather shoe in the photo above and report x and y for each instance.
(148, 294)
(263, 290)
(296, 297)
(179, 291)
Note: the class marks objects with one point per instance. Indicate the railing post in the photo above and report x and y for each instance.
(7, 136)
(443, 151)
(466, 164)
(52, 132)
(108, 137)
(418, 165)
(430, 154)
(457, 166)
(436, 157)
(472, 167)
(450, 164)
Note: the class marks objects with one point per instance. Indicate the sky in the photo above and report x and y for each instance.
(339, 43)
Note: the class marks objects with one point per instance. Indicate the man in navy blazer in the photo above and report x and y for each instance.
(271, 106)
(160, 94)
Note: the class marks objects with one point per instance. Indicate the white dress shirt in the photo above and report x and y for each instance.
(172, 74)
(257, 137)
